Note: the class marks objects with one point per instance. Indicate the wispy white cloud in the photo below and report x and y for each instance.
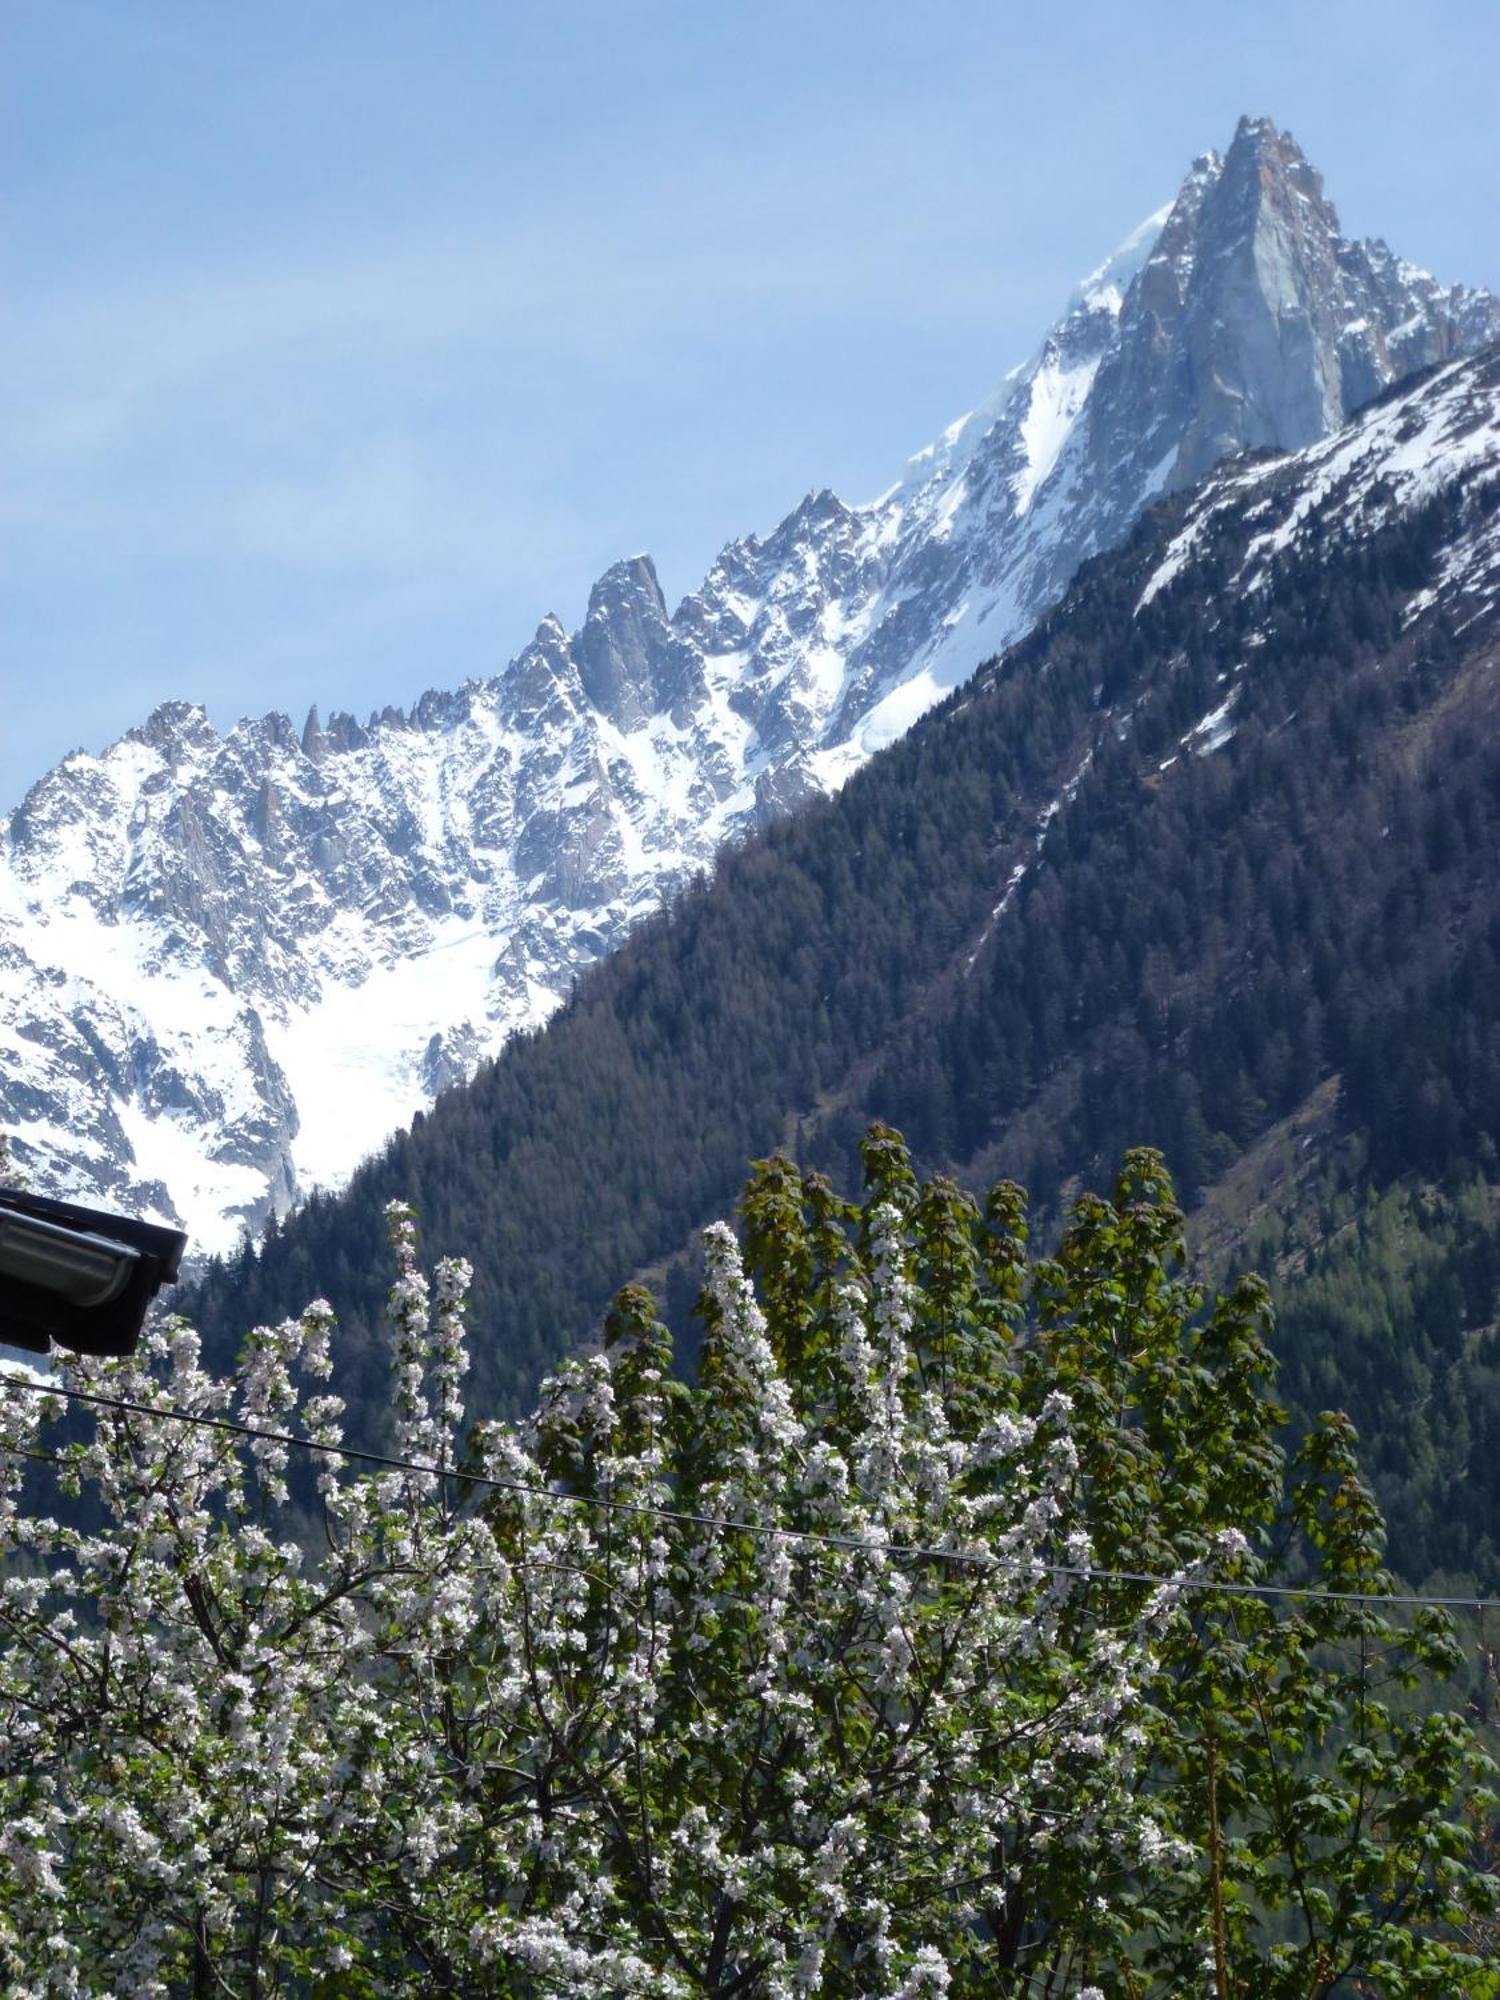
(338, 412)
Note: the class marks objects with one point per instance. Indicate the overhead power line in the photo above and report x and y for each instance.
(904, 1551)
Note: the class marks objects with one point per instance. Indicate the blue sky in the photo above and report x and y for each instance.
(342, 341)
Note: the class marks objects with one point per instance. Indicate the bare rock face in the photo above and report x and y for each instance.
(231, 965)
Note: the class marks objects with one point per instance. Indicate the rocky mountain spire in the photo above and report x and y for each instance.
(1254, 323)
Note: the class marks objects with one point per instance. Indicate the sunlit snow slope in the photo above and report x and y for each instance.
(229, 966)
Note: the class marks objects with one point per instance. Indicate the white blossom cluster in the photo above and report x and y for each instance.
(668, 1707)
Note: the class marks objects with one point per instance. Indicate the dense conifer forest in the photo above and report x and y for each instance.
(1060, 919)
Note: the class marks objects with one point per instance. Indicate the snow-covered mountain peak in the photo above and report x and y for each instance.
(1083, 331)
(1104, 289)
(230, 965)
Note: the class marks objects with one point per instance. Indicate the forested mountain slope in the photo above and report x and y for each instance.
(1220, 836)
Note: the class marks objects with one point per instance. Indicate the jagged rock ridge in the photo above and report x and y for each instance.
(230, 965)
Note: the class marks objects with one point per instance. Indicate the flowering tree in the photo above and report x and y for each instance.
(824, 1676)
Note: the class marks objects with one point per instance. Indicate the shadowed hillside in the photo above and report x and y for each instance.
(1219, 835)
